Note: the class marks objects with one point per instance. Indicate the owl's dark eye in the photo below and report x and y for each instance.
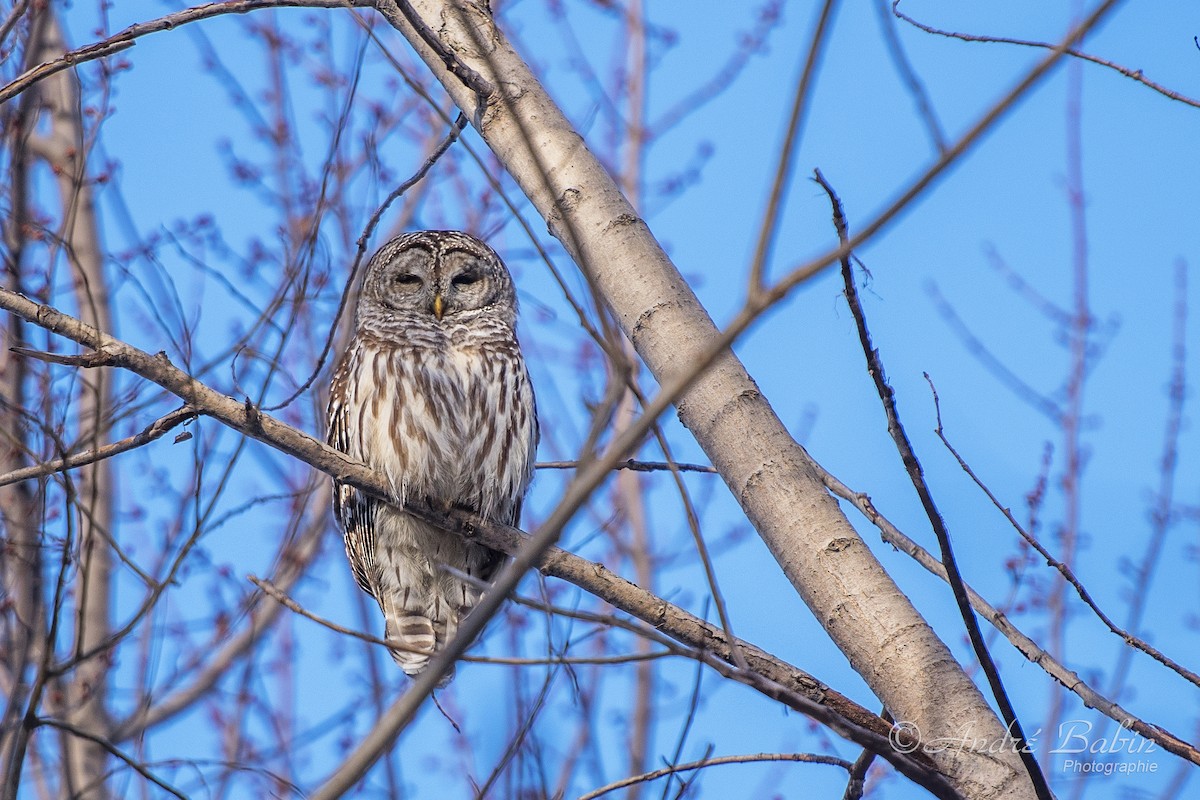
(408, 280)
(466, 278)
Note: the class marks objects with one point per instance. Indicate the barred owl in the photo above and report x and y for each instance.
(433, 392)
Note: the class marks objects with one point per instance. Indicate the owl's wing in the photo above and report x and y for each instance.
(354, 511)
(535, 435)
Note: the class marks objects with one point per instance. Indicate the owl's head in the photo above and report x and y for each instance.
(443, 277)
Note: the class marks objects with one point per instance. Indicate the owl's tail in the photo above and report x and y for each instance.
(418, 635)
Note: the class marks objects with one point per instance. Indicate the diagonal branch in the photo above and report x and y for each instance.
(787, 150)
(128, 38)
(1063, 569)
(405, 13)
(769, 675)
(808, 758)
(1025, 645)
(916, 474)
(112, 749)
(1132, 74)
(152, 432)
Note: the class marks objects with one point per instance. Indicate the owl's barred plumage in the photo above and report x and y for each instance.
(433, 392)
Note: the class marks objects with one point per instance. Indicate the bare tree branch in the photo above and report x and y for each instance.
(912, 81)
(1133, 74)
(1063, 569)
(916, 474)
(636, 466)
(857, 782)
(65, 147)
(807, 758)
(1029, 648)
(238, 646)
(108, 746)
(787, 150)
(150, 433)
(128, 37)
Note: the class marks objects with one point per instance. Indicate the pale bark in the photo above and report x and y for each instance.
(22, 630)
(884, 637)
(628, 490)
(65, 151)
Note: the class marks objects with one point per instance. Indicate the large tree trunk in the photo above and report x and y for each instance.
(65, 150)
(23, 632)
(886, 640)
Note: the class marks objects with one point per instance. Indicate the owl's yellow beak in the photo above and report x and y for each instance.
(439, 306)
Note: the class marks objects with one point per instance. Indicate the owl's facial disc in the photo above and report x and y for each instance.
(452, 279)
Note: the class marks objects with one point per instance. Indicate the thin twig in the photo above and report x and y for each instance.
(909, 75)
(991, 362)
(14, 16)
(150, 433)
(114, 751)
(1077, 336)
(1162, 514)
(787, 150)
(689, 718)
(287, 602)
(857, 783)
(916, 474)
(473, 80)
(809, 758)
(710, 572)
(1135, 74)
(966, 142)
(128, 38)
(1044, 305)
(84, 360)
(623, 658)
(225, 649)
(1063, 569)
(280, 597)
(750, 43)
(636, 466)
(1025, 645)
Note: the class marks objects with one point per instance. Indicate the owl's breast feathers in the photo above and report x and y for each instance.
(453, 421)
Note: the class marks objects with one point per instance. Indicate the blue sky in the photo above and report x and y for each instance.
(1141, 182)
